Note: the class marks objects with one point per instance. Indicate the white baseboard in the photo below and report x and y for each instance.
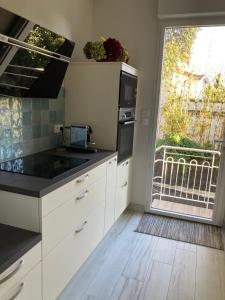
(137, 207)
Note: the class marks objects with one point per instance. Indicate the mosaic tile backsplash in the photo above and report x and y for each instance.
(26, 125)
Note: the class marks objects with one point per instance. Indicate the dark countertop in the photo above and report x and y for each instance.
(14, 243)
(38, 187)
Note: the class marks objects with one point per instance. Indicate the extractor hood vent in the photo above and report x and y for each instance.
(33, 59)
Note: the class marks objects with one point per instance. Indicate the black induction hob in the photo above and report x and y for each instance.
(42, 165)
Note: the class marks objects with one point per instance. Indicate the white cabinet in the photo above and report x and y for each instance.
(73, 220)
(28, 288)
(122, 198)
(96, 105)
(72, 188)
(65, 260)
(72, 226)
(110, 201)
(58, 223)
(20, 279)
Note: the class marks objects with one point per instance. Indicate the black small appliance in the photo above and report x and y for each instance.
(78, 137)
(128, 90)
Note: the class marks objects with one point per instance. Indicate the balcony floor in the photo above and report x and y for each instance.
(182, 208)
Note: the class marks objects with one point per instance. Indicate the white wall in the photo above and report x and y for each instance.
(134, 23)
(173, 8)
(72, 18)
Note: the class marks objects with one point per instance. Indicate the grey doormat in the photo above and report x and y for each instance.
(181, 230)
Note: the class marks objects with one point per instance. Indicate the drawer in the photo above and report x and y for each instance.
(123, 171)
(57, 225)
(64, 193)
(64, 261)
(27, 288)
(19, 269)
(121, 200)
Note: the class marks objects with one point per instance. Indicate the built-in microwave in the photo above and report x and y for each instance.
(128, 90)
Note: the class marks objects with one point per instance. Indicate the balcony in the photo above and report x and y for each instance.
(185, 180)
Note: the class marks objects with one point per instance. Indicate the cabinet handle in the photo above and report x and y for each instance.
(82, 179)
(124, 185)
(110, 162)
(17, 292)
(82, 227)
(82, 196)
(18, 267)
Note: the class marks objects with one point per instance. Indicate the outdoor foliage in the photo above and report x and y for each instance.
(177, 141)
(183, 142)
(177, 50)
(212, 107)
(176, 117)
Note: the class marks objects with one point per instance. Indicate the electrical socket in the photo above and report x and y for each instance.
(57, 128)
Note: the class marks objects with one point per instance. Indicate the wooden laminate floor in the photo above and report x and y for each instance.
(133, 266)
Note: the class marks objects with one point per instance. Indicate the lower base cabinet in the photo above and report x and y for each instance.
(23, 279)
(27, 288)
(71, 230)
(64, 261)
(122, 189)
(122, 199)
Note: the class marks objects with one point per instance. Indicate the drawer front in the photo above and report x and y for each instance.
(28, 288)
(19, 269)
(64, 261)
(121, 200)
(123, 171)
(64, 193)
(57, 225)
(122, 188)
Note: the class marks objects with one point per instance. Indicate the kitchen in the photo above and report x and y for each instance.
(65, 202)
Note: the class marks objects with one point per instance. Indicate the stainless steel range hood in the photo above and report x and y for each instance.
(33, 59)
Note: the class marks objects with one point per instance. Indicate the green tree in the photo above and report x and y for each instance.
(175, 118)
(177, 50)
(212, 107)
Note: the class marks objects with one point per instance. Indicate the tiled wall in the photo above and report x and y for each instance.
(26, 125)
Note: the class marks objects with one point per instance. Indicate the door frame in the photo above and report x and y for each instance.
(219, 208)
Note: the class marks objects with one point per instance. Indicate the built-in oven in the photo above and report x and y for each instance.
(128, 90)
(125, 134)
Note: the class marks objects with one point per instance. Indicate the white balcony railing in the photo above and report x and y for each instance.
(186, 175)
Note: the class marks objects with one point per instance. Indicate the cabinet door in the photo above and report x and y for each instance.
(122, 200)
(19, 269)
(59, 196)
(58, 224)
(63, 262)
(111, 176)
(28, 288)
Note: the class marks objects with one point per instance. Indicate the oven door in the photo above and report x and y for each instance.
(128, 90)
(125, 139)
